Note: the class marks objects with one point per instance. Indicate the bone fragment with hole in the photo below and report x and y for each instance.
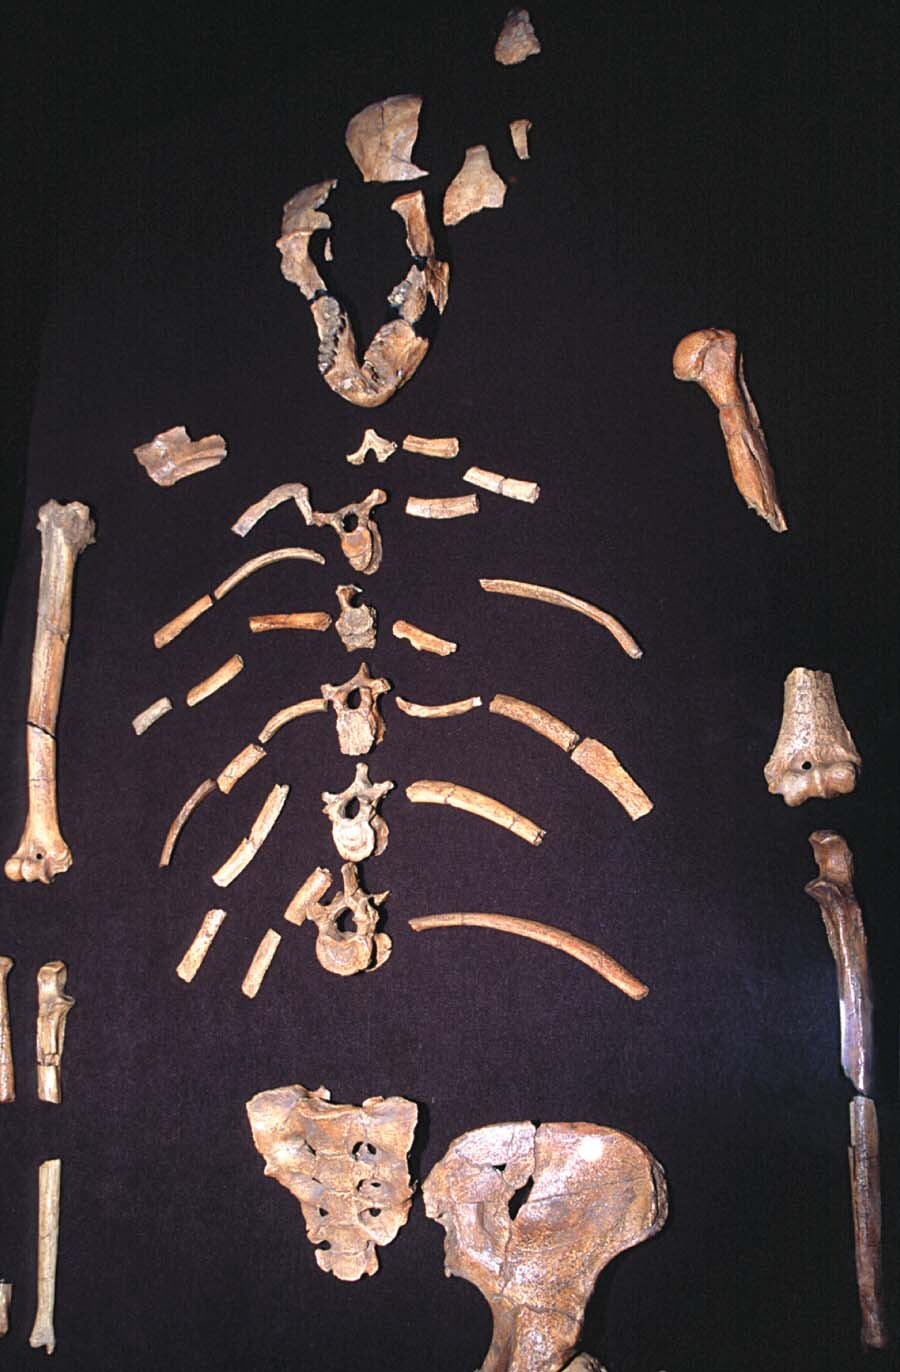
(201, 943)
(355, 526)
(347, 941)
(476, 803)
(814, 754)
(527, 590)
(358, 830)
(7, 1069)
(260, 963)
(172, 455)
(360, 726)
(510, 486)
(475, 187)
(66, 530)
(142, 722)
(422, 640)
(53, 1006)
(43, 1334)
(380, 139)
(431, 447)
(345, 1164)
(518, 132)
(516, 40)
(452, 707)
(355, 625)
(532, 1216)
(372, 442)
(441, 507)
(248, 847)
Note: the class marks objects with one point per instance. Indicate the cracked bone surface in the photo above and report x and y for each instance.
(360, 727)
(476, 186)
(476, 803)
(518, 132)
(248, 847)
(865, 1192)
(363, 833)
(53, 1006)
(172, 455)
(7, 1070)
(711, 358)
(510, 486)
(532, 1216)
(239, 766)
(355, 526)
(142, 722)
(66, 530)
(49, 1178)
(527, 590)
(814, 754)
(516, 40)
(316, 706)
(431, 447)
(380, 139)
(345, 1164)
(422, 640)
(291, 490)
(372, 443)
(355, 624)
(342, 951)
(190, 964)
(441, 507)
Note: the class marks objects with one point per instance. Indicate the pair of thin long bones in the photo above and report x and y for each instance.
(53, 1006)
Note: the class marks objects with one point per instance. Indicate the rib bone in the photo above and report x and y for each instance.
(172, 455)
(262, 961)
(5, 1303)
(814, 754)
(510, 486)
(49, 1177)
(219, 678)
(53, 1007)
(317, 620)
(7, 1071)
(190, 964)
(528, 591)
(303, 707)
(421, 640)
(462, 798)
(437, 507)
(292, 490)
(203, 790)
(142, 722)
(431, 447)
(239, 766)
(264, 560)
(178, 625)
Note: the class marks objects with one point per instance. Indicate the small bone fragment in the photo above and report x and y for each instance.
(49, 1177)
(345, 1164)
(363, 834)
(865, 1192)
(380, 139)
(533, 717)
(518, 132)
(601, 763)
(422, 641)
(435, 507)
(219, 678)
(360, 727)
(278, 721)
(476, 186)
(454, 707)
(291, 490)
(141, 723)
(420, 242)
(189, 965)
(355, 526)
(248, 847)
(172, 455)
(180, 622)
(356, 623)
(509, 486)
(372, 443)
(239, 766)
(5, 1303)
(7, 1070)
(262, 961)
(66, 530)
(203, 790)
(579, 948)
(264, 560)
(431, 447)
(528, 591)
(328, 251)
(814, 754)
(461, 798)
(302, 218)
(315, 885)
(53, 1006)
(711, 358)
(305, 619)
(343, 951)
(533, 1215)
(517, 39)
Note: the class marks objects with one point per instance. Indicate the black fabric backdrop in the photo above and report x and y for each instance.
(688, 168)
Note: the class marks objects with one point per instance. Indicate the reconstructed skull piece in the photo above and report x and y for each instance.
(346, 1164)
(533, 1214)
(347, 951)
(359, 725)
(814, 754)
(356, 827)
(357, 530)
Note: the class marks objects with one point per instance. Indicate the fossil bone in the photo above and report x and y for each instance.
(509, 486)
(5, 1303)
(172, 455)
(865, 1192)
(517, 39)
(355, 526)
(292, 490)
(264, 560)
(7, 1070)
(190, 964)
(518, 132)
(302, 218)
(53, 1006)
(380, 139)
(203, 790)
(248, 847)
(532, 1216)
(453, 707)
(360, 727)
(431, 447)
(372, 443)
(461, 798)
(711, 358)
(528, 591)
(215, 681)
(533, 717)
(141, 723)
(421, 640)
(303, 707)
(262, 961)
(436, 507)
(476, 186)
(364, 833)
(239, 766)
(315, 885)
(429, 274)
(49, 1178)
(601, 763)
(345, 1164)
(356, 623)
(585, 952)
(343, 951)
(178, 625)
(304, 619)
(814, 754)
(66, 530)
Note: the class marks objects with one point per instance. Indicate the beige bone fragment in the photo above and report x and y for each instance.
(431, 447)
(453, 707)
(291, 490)
(517, 39)
(239, 766)
(533, 717)
(49, 1178)
(509, 486)
(601, 763)
(372, 443)
(178, 625)
(360, 727)
(436, 507)
(315, 885)
(142, 722)
(262, 961)
(364, 833)
(355, 526)
(355, 624)
(7, 1070)
(528, 591)
(248, 847)
(462, 798)
(66, 530)
(316, 620)
(345, 1164)
(380, 139)
(265, 560)
(476, 186)
(172, 455)
(215, 681)
(190, 964)
(532, 1216)
(203, 790)
(302, 218)
(53, 1006)
(421, 640)
(711, 358)
(518, 132)
(865, 1192)
(328, 251)
(5, 1303)
(814, 754)
(431, 274)
(343, 951)
(303, 707)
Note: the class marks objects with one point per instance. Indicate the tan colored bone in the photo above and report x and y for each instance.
(53, 1006)
(178, 625)
(360, 727)
(453, 707)
(345, 1164)
(865, 1192)
(528, 591)
(215, 681)
(372, 443)
(302, 218)
(239, 766)
(462, 798)
(248, 847)
(315, 886)
(172, 455)
(814, 754)
(532, 1216)
(355, 526)
(291, 490)
(421, 640)
(262, 961)
(142, 722)
(355, 624)
(518, 132)
(366, 833)
(533, 717)
(711, 358)
(66, 530)
(601, 763)
(517, 39)
(202, 791)
(265, 560)
(7, 1069)
(380, 139)
(343, 951)
(49, 1179)
(316, 620)
(190, 964)
(436, 507)
(475, 187)
(431, 447)
(511, 487)
(434, 275)
(303, 707)
(5, 1303)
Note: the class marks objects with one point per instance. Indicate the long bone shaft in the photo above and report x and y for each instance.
(49, 1176)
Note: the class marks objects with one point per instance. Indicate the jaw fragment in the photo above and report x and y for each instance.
(355, 624)
(517, 39)
(437, 507)
(421, 640)
(142, 722)
(303, 707)
(372, 443)
(509, 486)
(238, 767)
(248, 847)
(342, 951)
(528, 591)
(363, 834)
(476, 186)
(380, 139)
(171, 455)
(476, 803)
(53, 1009)
(190, 964)
(814, 754)
(518, 132)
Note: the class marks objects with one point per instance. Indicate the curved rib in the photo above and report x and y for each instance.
(182, 818)
(533, 717)
(527, 591)
(292, 490)
(303, 707)
(476, 803)
(263, 560)
(453, 707)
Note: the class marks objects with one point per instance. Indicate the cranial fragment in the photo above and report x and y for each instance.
(53, 1006)
(453, 707)
(462, 798)
(360, 726)
(711, 358)
(431, 447)
(141, 723)
(66, 530)
(346, 1165)
(421, 640)
(202, 791)
(503, 485)
(532, 1216)
(190, 964)
(518, 132)
(356, 827)
(215, 681)
(248, 847)
(171, 455)
(437, 507)
(355, 624)
(7, 1071)
(517, 39)
(476, 186)
(380, 139)
(49, 1179)
(814, 754)
(315, 620)
(372, 443)
(528, 591)
(262, 961)
(343, 951)
(355, 526)
(291, 490)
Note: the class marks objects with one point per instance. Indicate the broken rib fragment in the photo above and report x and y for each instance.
(476, 803)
